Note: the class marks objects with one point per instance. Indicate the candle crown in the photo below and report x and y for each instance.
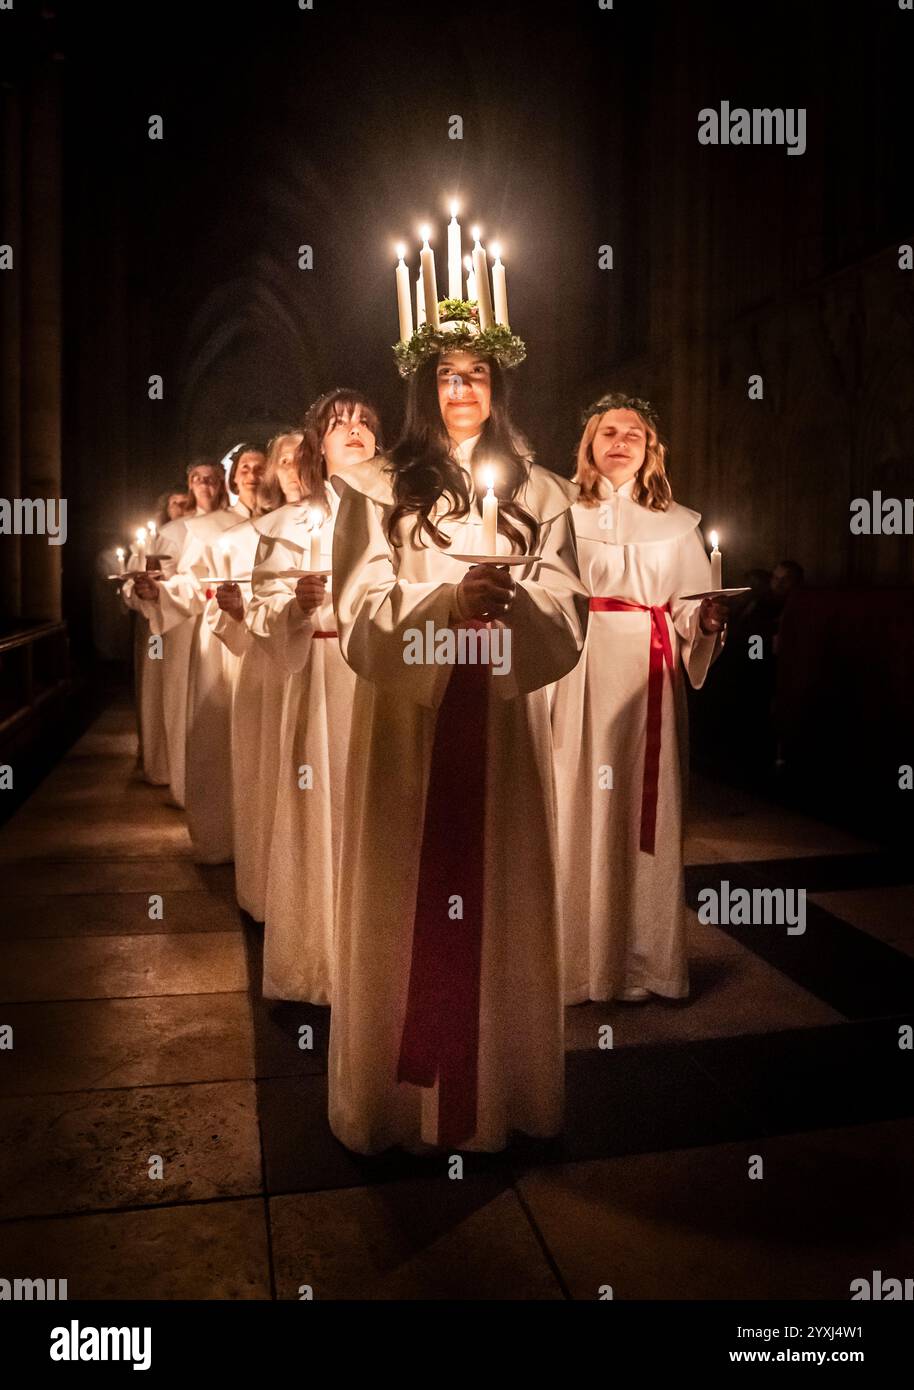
(459, 320)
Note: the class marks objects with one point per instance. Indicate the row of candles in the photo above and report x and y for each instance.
(492, 300)
(149, 532)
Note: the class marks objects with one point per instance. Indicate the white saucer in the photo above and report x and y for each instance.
(494, 559)
(717, 593)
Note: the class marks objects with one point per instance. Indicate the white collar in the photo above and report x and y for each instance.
(463, 451)
(607, 492)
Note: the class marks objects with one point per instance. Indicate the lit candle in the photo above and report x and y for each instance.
(226, 559)
(483, 293)
(454, 272)
(499, 288)
(429, 283)
(471, 279)
(404, 304)
(489, 514)
(141, 546)
(420, 301)
(152, 531)
(316, 517)
(120, 559)
(716, 564)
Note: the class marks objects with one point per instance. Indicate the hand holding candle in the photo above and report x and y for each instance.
(716, 564)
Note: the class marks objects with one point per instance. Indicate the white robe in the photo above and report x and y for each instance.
(257, 704)
(314, 734)
(208, 693)
(157, 677)
(379, 593)
(623, 909)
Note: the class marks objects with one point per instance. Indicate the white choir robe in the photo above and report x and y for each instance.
(257, 703)
(208, 693)
(623, 908)
(379, 593)
(155, 677)
(314, 733)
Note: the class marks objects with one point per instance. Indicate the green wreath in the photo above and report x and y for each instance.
(498, 342)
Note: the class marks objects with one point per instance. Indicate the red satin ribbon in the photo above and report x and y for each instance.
(325, 634)
(440, 1039)
(661, 651)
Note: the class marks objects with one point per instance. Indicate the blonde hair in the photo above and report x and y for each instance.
(269, 494)
(652, 486)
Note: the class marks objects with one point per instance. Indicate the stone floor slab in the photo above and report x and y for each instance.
(109, 967)
(38, 916)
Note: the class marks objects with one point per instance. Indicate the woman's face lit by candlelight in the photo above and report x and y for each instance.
(287, 474)
(464, 393)
(178, 505)
(204, 486)
(348, 439)
(619, 445)
(248, 472)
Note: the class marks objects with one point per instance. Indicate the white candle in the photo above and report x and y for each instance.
(404, 304)
(454, 271)
(489, 514)
(420, 301)
(226, 565)
(429, 283)
(499, 287)
(120, 559)
(483, 293)
(152, 531)
(141, 546)
(471, 279)
(316, 517)
(716, 564)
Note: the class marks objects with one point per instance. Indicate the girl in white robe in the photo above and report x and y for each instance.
(447, 1024)
(619, 718)
(292, 619)
(181, 599)
(259, 690)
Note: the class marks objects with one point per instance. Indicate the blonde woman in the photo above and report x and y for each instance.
(619, 718)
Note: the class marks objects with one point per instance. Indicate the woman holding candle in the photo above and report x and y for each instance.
(259, 689)
(619, 719)
(291, 618)
(447, 1018)
(200, 705)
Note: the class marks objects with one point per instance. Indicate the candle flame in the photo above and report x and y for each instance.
(475, 233)
(425, 231)
(495, 248)
(316, 517)
(455, 207)
(120, 552)
(714, 539)
(488, 477)
(400, 249)
(141, 534)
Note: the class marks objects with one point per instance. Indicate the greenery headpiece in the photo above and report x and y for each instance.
(619, 400)
(459, 330)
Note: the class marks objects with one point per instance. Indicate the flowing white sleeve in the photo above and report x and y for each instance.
(232, 632)
(374, 608)
(273, 617)
(549, 616)
(693, 570)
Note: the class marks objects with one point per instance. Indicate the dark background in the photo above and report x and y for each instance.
(330, 127)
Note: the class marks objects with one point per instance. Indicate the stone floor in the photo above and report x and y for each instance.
(140, 1041)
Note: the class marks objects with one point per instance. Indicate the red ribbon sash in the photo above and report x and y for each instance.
(325, 634)
(661, 651)
(440, 1039)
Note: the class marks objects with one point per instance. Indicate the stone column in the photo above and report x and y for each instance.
(10, 343)
(41, 277)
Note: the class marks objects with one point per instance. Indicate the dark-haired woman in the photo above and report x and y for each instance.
(291, 618)
(447, 1020)
(619, 718)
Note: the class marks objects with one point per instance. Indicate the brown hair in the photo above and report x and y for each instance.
(423, 468)
(312, 468)
(236, 456)
(269, 494)
(652, 486)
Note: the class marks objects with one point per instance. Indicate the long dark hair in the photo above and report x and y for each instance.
(423, 468)
(312, 468)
